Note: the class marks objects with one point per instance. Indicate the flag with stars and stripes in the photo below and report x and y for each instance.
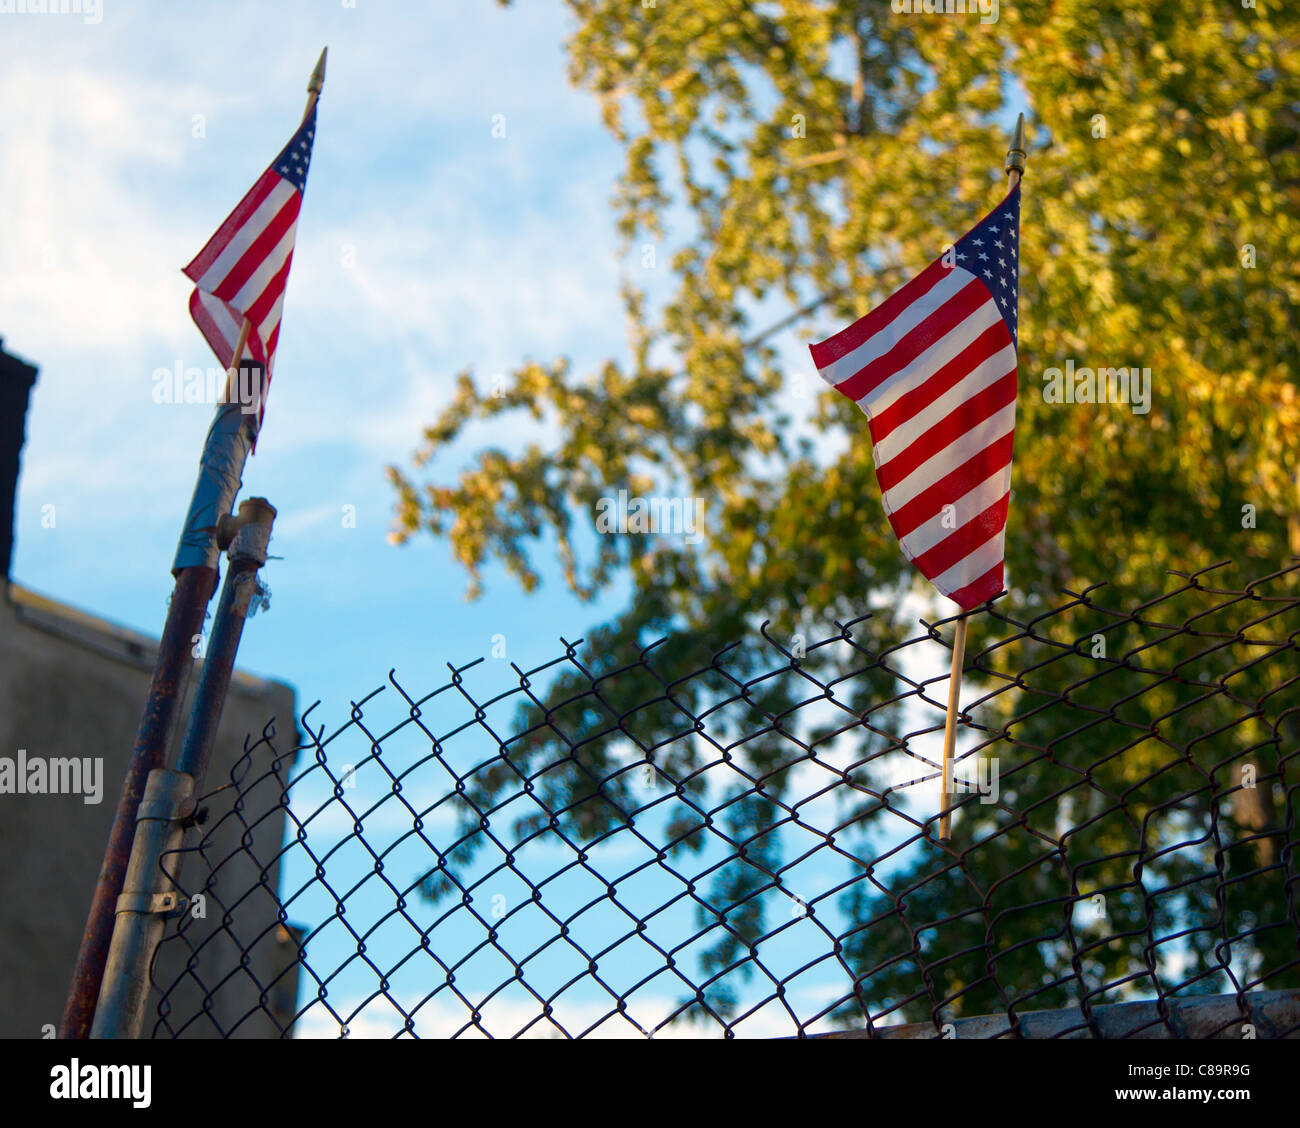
(242, 271)
(934, 369)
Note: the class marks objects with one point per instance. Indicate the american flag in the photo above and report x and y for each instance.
(934, 368)
(242, 271)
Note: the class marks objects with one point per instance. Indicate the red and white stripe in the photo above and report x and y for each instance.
(242, 271)
(934, 368)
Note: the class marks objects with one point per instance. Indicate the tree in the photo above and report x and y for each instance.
(824, 150)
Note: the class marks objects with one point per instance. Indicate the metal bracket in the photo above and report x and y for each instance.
(164, 808)
(164, 904)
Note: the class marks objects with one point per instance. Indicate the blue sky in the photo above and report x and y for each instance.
(426, 245)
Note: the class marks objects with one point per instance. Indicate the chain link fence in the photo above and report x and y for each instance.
(744, 841)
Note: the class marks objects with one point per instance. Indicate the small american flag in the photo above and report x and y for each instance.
(934, 368)
(242, 271)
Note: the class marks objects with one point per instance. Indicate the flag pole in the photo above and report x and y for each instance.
(315, 85)
(950, 727)
(1014, 169)
(207, 525)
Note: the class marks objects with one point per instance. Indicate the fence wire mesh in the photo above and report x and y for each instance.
(744, 841)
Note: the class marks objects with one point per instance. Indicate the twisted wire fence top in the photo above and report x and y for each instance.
(745, 841)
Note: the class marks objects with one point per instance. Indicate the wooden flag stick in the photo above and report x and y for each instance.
(950, 729)
(232, 373)
(241, 344)
(315, 84)
(1015, 167)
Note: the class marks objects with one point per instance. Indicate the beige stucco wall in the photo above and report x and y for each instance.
(73, 685)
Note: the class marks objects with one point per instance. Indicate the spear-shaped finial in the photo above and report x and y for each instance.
(1016, 154)
(315, 84)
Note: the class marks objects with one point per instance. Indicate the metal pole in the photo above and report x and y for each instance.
(1273, 1014)
(143, 909)
(150, 894)
(247, 555)
(221, 468)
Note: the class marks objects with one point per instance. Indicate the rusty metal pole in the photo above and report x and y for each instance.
(150, 895)
(229, 441)
(221, 468)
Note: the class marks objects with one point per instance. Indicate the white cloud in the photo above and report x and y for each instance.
(504, 1016)
(470, 251)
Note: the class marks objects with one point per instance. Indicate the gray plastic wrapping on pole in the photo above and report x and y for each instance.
(221, 471)
(248, 552)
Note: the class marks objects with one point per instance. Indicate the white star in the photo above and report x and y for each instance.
(983, 255)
